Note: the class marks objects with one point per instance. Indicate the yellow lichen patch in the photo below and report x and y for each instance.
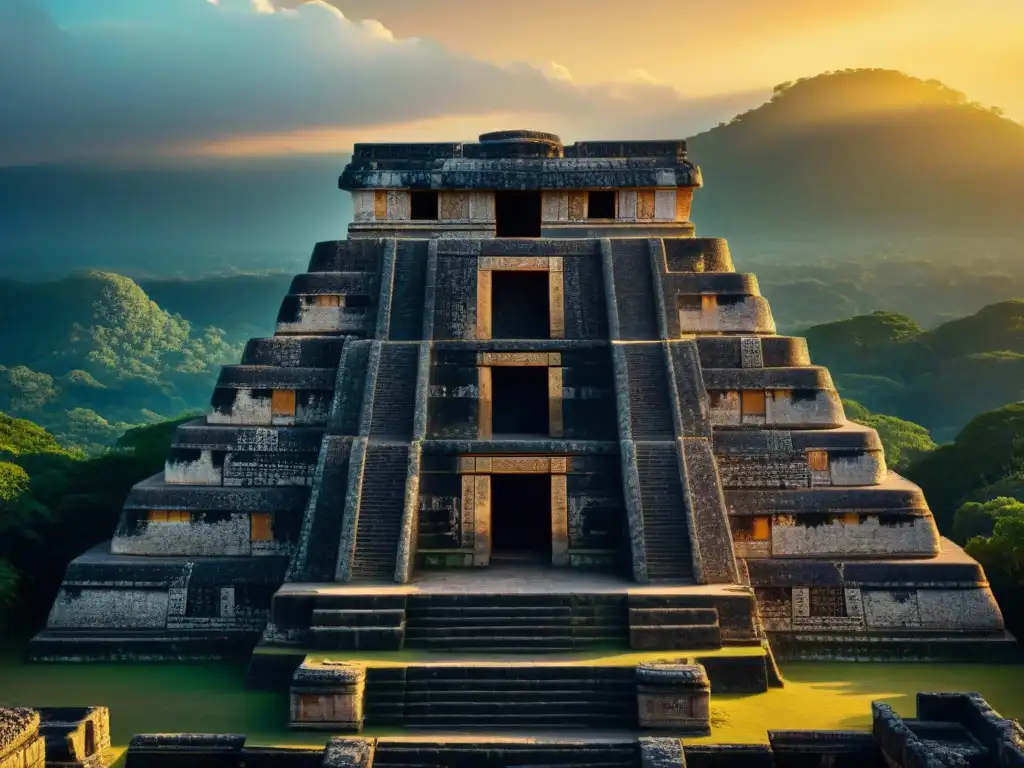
(611, 657)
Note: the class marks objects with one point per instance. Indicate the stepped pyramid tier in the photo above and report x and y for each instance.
(523, 408)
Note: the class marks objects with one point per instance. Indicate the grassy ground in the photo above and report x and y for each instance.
(611, 657)
(153, 698)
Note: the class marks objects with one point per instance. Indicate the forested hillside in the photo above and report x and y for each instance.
(940, 378)
(858, 149)
(90, 356)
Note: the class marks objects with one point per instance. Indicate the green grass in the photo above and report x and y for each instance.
(154, 698)
(608, 657)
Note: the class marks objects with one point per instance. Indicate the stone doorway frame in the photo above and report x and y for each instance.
(476, 474)
(550, 360)
(556, 291)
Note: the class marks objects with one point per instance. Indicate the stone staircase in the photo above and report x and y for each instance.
(677, 629)
(406, 322)
(519, 696)
(634, 290)
(357, 622)
(666, 533)
(381, 502)
(501, 754)
(515, 623)
(649, 404)
(394, 394)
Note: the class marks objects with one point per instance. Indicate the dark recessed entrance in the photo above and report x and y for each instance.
(519, 400)
(517, 214)
(521, 517)
(520, 305)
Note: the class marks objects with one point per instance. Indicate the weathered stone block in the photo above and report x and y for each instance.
(673, 697)
(328, 695)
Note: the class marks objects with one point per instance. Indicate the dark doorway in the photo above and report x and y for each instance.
(517, 214)
(601, 205)
(423, 206)
(520, 307)
(521, 517)
(519, 400)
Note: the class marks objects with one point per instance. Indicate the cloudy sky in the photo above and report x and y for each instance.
(123, 80)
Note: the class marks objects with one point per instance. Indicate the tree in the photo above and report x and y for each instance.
(1001, 552)
(21, 517)
(988, 450)
(20, 436)
(903, 441)
(975, 519)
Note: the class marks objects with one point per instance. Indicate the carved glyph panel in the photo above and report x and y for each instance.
(665, 205)
(520, 358)
(552, 204)
(454, 206)
(514, 465)
(577, 206)
(503, 263)
(559, 520)
(481, 206)
(483, 304)
(363, 205)
(399, 205)
(556, 304)
(645, 205)
(555, 401)
(482, 521)
(627, 205)
(684, 198)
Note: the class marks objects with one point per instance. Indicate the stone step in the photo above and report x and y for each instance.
(526, 611)
(669, 638)
(513, 674)
(381, 505)
(523, 600)
(534, 708)
(513, 677)
(666, 534)
(527, 695)
(355, 602)
(481, 754)
(459, 632)
(359, 617)
(435, 622)
(519, 644)
(554, 721)
(677, 617)
(357, 638)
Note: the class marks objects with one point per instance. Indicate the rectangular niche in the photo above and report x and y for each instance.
(520, 394)
(496, 308)
(520, 304)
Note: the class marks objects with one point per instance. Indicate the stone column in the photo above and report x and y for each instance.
(674, 696)
(328, 695)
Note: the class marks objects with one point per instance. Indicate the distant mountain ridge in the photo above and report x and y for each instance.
(841, 153)
(863, 148)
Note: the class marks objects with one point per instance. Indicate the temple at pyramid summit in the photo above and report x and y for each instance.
(522, 414)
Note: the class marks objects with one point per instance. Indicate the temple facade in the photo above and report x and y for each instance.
(523, 366)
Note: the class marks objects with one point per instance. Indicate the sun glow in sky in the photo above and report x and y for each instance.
(93, 79)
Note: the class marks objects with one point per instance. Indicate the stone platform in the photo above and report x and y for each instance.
(511, 610)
